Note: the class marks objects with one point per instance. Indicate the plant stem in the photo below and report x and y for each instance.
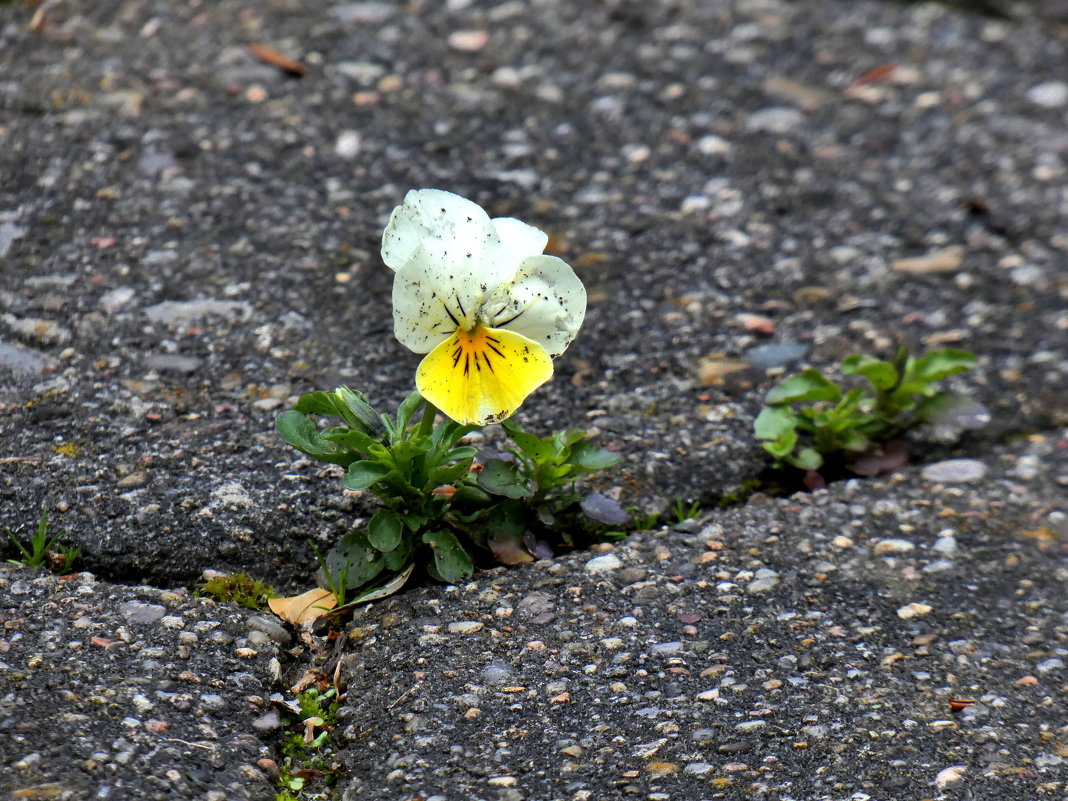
(426, 425)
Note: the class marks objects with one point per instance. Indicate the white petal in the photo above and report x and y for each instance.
(441, 223)
(519, 240)
(427, 304)
(545, 302)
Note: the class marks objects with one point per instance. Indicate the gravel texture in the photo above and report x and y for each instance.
(129, 692)
(188, 241)
(890, 638)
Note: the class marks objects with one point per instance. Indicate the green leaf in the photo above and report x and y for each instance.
(364, 473)
(468, 496)
(409, 406)
(464, 452)
(853, 441)
(882, 375)
(537, 449)
(316, 403)
(451, 562)
(385, 529)
(939, 364)
(781, 447)
(448, 473)
(399, 557)
(589, 456)
(807, 459)
(448, 433)
(303, 434)
(352, 438)
(568, 437)
(811, 385)
(364, 561)
(353, 408)
(499, 477)
(774, 423)
(414, 522)
(507, 517)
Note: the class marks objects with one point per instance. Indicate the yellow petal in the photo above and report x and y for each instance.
(481, 376)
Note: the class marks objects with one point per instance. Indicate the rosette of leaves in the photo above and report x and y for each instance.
(439, 508)
(809, 418)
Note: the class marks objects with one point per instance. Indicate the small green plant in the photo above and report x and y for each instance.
(685, 511)
(45, 550)
(239, 589)
(438, 505)
(809, 417)
(643, 522)
(307, 760)
(488, 311)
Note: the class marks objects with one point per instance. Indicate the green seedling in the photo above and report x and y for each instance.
(307, 758)
(439, 508)
(808, 417)
(686, 511)
(45, 550)
(239, 589)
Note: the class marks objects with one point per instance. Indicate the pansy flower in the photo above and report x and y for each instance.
(481, 300)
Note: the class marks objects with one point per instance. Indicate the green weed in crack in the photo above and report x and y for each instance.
(308, 767)
(810, 419)
(44, 549)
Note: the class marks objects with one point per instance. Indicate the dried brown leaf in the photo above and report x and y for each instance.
(306, 606)
(276, 59)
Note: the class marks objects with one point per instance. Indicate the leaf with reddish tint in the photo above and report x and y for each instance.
(892, 456)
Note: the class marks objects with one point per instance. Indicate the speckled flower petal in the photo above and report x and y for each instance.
(482, 376)
(441, 223)
(429, 303)
(545, 302)
(518, 241)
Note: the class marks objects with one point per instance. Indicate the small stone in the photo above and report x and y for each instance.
(946, 545)
(534, 604)
(22, 361)
(950, 775)
(33, 329)
(713, 146)
(955, 471)
(267, 722)
(347, 145)
(665, 648)
(466, 627)
(137, 612)
(883, 547)
(768, 357)
(496, 673)
(177, 313)
(1049, 665)
(370, 12)
(173, 363)
(775, 120)
(947, 260)
(764, 581)
(698, 769)
(909, 611)
(468, 41)
(9, 232)
(604, 564)
(1051, 94)
(117, 299)
(750, 726)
